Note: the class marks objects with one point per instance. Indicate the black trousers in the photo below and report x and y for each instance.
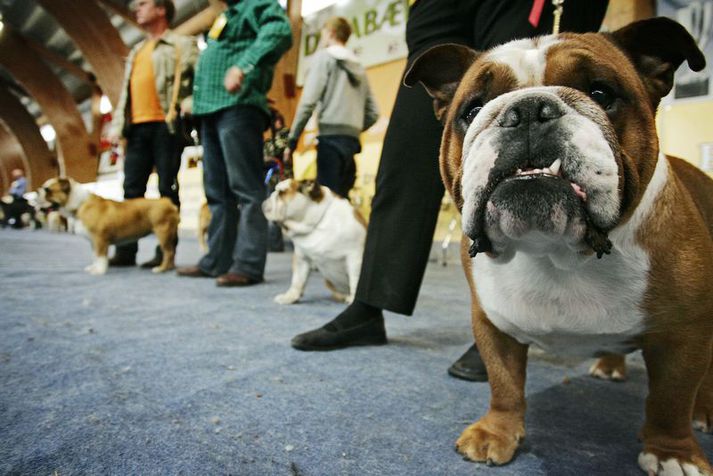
(150, 145)
(408, 184)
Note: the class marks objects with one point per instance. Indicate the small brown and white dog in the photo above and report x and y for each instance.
(110, 222)
(581, 237)
(327, 232)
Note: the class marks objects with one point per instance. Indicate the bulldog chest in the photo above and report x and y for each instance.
(593, 308)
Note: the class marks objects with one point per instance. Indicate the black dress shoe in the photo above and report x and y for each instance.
(153, 262)
(332, 337)
(469, 366)
(120, 260)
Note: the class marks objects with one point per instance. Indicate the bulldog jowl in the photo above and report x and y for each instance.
(538, 174)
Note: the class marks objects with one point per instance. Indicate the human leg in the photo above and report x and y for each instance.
(240, 132)
(223, 227)
(408, 192)
(138, 163)
(167, 158)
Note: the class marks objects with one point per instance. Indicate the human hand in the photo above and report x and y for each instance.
(187, 106)
(233, 80)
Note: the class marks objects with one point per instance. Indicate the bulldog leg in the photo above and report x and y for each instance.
(496, 436)
(301, 268)
(703, 408)
(677, 365)
(353, 269)
(609, 367)
(166, 235)
(101, 262)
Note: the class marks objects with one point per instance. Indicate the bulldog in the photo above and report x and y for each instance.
(580, 236)
(109, 222)
(327, 233)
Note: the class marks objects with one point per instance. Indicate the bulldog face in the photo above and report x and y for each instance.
(550, 142)
(55, 192)
(292, 200)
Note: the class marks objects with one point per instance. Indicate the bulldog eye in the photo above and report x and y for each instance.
(471, 110)
(602, 95)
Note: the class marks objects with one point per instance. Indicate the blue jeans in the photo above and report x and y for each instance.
(235, 189)
(335, 162)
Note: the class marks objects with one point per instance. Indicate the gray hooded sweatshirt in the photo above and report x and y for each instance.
(336, 85)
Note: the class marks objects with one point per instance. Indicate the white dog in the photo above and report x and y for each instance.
(327, 232)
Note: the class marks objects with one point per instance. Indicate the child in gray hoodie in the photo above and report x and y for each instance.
(336, 85)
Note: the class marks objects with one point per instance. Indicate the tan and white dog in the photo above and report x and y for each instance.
(327, 232)
(203, 225)
(109, 222)
(581, 237)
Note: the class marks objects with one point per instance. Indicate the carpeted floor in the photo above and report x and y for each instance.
(134, 373)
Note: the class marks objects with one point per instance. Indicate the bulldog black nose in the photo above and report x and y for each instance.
(531, 110)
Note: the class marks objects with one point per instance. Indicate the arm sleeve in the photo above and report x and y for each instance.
(189, 57)
(371, 110)
(274, 36)
(314, 87)
(117, 120)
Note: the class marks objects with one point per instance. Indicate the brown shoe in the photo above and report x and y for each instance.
(235, 280)
(192, 272)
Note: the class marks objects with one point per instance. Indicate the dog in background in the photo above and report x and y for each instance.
(110, 222)
(327, 233)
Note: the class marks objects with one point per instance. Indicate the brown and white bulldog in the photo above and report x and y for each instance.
(327, 232)
(581, 236)
(110, 222)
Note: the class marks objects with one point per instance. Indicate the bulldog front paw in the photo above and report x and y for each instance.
(289, 297)
(95, 269)
(481, 442)
(609, 367)
(655, 465)
(161, 269)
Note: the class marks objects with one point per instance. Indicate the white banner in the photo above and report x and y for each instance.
(378, 31)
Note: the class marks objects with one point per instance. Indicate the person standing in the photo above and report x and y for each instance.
(233, 76)
(18, 187)
(14, 206)
(337, 86)
(158, 76)
(393, 268)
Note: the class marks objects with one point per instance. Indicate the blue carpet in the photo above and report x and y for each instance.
(133, 373)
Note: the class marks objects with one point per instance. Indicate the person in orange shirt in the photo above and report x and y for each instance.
(158, 76)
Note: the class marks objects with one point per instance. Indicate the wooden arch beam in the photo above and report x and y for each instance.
(75, 152)
(40, 161)
(90, 29)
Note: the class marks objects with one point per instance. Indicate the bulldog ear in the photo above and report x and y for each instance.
(657, 47)
(440, 70)
(64, 184)
(315, 192)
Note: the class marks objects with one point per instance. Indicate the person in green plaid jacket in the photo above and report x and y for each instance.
(233, 76)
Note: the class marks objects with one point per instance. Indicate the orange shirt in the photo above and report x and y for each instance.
(145, 105)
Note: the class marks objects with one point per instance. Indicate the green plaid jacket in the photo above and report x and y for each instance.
(256, 35)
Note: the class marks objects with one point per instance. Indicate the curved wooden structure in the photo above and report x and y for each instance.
(89, 27)
(73, 144)
(40, 161)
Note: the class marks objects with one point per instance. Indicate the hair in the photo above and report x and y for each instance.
(168, 6)
(340, 27)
